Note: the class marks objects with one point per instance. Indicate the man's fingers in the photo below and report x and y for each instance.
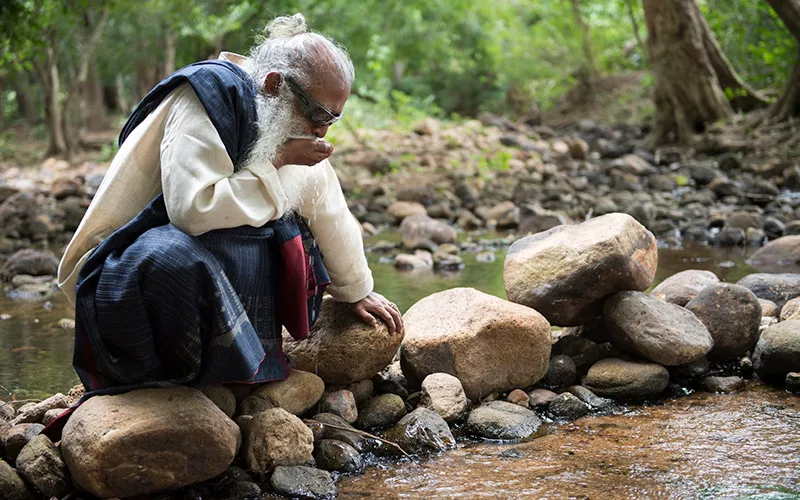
(387, 318)
(365, 316)
(398, 318)
(323, 147)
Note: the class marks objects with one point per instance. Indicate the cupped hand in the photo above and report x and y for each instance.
(303, 152)
(375, 305)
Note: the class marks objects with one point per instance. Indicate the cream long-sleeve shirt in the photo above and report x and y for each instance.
(177, 150)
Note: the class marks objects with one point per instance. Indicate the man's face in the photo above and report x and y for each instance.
(316, 107)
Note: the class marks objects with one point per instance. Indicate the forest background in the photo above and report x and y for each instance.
(72, 68)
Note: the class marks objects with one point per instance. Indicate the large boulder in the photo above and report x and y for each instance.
(775, 287)
(778, 351)
(297, 394)
(625, 380)
(488, 343)
(656, 330)
(566, 272)
(421, 231)
(778, 256)
(732, 315)
(146, 441)
(342, 349)
(276, 437)
(681, 287)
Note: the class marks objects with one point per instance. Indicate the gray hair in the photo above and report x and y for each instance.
(288, 47)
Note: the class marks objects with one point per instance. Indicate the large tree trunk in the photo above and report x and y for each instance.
(51, 83)
(788, 105)
(589, 71)
(25, 97)
(169, 51)
(688, 96)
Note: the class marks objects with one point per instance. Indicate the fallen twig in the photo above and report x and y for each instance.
(362, 433)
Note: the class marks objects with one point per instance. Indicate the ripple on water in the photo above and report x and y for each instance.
(699, 446)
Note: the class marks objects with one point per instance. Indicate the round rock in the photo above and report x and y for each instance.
(566, 272)
(222, 397)
(778, 351)
(488, 343)
(561, 371)
(656, 330)
(502, 420)
(302, 482)
(342, 349)
(12, 486)
(723, 385)
(146, 441)
(276, 437)
(297, 394)
(775, 287)
(381, 411)
(341, 403)
(567, 406)
(732, 315)
(421, 231)
(40, 464)
(681, 287)
(780, 255)
(422, 431)
(791, 309)
(620, 379)
(337, 456)
(444, 394)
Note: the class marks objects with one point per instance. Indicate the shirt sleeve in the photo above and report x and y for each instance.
(201, 190)
(338, 235)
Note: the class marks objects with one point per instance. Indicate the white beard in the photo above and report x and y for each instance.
(276, 122)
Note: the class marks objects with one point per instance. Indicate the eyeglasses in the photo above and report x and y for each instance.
(315, 112)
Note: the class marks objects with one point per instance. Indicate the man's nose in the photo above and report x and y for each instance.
(320, 132)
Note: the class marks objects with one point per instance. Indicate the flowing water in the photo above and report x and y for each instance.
(745, 445)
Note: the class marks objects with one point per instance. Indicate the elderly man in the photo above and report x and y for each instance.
(195, 252)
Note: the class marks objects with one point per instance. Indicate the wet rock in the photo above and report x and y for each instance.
(12, 486)
(655, 330)
(341, 403)
(391, 380)
(567, 406)
(793, 382)
(594, 401)
(681, 287)
(769, 308)
(444, 394)
(775, 287)
(489, 344)
(222, 397)
(420, 231)
(578, 346)
(29, 262)
(566, 272)
(337, 456)
(297, 394)
(408, 262)
(302, 482)
(17, 437)
(791, 309)
(518, 397)
(422, 431)
(540, 398)
(560, 372)
(337, 429)
(40, 464)
(625, 380)
(35, 413)
(381, 411)
(781, 255)
(276, 437)
(342, 349)
(402, 209)
(732, 315)
(778, 351)
(502, 420)
(724, 385)
(694, 370)
(730, 237)
(156, 429)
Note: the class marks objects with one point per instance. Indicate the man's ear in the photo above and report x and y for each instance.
(272, 83)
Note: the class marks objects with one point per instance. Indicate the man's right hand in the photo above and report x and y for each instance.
(303, 152)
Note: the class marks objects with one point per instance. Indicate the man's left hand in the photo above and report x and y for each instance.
(376, 305)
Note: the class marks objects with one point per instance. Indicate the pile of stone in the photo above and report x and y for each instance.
(469, 363)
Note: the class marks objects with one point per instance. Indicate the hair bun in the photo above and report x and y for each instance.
(286, 26)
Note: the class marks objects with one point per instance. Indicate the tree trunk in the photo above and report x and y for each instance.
(93, 112)
(25, 101)
(687, 96)
(122, 102)
(51, 82)
(169, 52)
(788, 105)
(589, 70)
(743, 98)
(635, 24)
